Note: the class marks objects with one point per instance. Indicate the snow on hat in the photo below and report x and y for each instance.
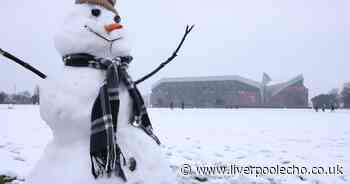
(108, 4)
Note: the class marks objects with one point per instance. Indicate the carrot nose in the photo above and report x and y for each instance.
(111, 27)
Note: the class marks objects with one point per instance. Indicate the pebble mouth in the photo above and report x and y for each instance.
(100, 36)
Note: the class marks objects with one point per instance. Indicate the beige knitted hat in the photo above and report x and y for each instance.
(108, 4)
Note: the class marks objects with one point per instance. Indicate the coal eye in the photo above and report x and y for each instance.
(96, 12)
(117, 19)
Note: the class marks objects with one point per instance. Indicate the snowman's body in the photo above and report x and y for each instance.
(66, 106)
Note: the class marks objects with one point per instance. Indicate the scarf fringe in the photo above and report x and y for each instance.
(99, 168)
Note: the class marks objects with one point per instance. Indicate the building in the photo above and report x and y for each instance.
(292, 93)
(227, 92)
(206, 92)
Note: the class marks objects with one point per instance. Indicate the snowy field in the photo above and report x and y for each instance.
(245, 136)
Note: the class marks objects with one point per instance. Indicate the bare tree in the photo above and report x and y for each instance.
(346, 97)
(36, 95)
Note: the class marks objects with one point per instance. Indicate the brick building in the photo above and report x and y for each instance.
(227, 92)
(289, 94)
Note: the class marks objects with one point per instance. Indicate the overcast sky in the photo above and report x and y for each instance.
(283, 38)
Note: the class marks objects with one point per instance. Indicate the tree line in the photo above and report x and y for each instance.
(346, 97)
(24, 97)
(332, 99)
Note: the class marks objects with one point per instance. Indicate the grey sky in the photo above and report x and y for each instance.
(281, 38)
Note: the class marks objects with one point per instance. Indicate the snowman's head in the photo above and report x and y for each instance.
(92, 29)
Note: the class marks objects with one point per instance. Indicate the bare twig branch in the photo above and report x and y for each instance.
(172, 57)
(162, 65)
(22, 63)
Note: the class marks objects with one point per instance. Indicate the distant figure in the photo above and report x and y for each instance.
(332, 108)
(171, 105)
(324, 108)
(183, 105)
(316, 108)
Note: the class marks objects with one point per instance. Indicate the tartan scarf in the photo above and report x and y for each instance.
(105, 153)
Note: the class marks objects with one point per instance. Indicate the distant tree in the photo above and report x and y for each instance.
(326, 101)
(346, 97)
(36, 95)
(334, 91)
(22, 98)
(338, 96)
(3, 97)
(25, 94)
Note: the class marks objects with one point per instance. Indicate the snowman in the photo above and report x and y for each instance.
(101, 130)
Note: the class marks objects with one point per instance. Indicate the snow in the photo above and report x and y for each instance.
(256, 136)
(57, 151)
(74, 35)
(23, 136)
(66, 104)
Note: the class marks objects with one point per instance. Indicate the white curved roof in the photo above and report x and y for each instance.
(275, 89)
(212, 78)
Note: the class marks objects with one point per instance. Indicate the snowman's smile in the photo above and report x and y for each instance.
(100, 36)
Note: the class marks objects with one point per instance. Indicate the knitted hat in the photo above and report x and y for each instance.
(108, 4)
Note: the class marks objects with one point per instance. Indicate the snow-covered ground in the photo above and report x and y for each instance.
(243, 136)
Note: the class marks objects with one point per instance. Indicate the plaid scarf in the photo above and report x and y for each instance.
(105, 153)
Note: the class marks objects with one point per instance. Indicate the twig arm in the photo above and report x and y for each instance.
(172, 57)
(22, 63)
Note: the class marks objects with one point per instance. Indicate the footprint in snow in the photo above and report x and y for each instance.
(15, 152)
(302, 178)
(265, 151)
(218, 155)
(187, 157)
(227, 148)
(8, 144)
(286, 162)
(316, 182)
(301, 157)
(19, 159)
(169, 154)
(201, 179)
(174, 167)
(241, 157)
(272, 181)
